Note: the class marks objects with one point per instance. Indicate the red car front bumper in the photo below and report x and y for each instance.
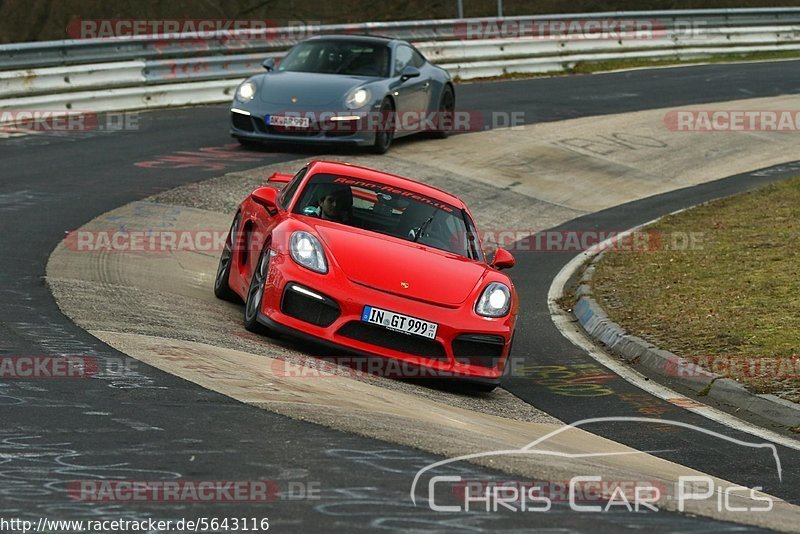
(467, 345)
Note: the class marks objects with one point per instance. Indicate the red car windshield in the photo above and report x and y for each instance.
(390, 211)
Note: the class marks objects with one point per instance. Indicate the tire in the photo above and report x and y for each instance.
(444, 120)
(483, 388)
(222, 289)
(255, 293)
(470, 387)
(384, 137)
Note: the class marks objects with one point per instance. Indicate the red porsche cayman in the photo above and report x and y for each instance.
(372, 264)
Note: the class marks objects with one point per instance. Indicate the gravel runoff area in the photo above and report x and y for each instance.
(718, 284)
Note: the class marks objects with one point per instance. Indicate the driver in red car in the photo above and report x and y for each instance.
(335, 203)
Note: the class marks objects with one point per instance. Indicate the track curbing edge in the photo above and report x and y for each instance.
(636, 351)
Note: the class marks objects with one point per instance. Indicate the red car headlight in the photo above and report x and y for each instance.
(495, 301)
(306, 250)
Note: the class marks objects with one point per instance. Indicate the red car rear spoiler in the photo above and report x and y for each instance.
(280, 178)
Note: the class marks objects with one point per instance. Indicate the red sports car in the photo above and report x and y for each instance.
(371, 264)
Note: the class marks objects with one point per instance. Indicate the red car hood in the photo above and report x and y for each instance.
(387, 264)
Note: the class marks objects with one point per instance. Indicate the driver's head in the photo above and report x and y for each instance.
(335, 201)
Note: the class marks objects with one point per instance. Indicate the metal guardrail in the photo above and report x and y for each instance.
(73, 52)
(152, 71)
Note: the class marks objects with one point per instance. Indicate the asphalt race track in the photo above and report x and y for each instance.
(151, 425)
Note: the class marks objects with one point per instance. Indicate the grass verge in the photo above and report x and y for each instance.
(731, 302)
(617, 64)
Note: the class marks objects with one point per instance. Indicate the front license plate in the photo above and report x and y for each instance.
(399, 322)
(288, 122)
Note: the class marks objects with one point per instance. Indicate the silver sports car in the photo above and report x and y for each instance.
(344, 89)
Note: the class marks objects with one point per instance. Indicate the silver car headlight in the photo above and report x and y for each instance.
(306, 250)
(495, 301)
(246, 92)
(357, 98)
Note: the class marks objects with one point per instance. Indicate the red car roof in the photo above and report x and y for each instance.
(354, 171)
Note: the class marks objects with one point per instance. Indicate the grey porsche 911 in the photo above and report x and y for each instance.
(344, 89)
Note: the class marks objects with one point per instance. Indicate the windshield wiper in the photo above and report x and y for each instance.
(422, 227)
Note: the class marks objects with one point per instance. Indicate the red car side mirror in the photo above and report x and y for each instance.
(502, 259)
(267, 197)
